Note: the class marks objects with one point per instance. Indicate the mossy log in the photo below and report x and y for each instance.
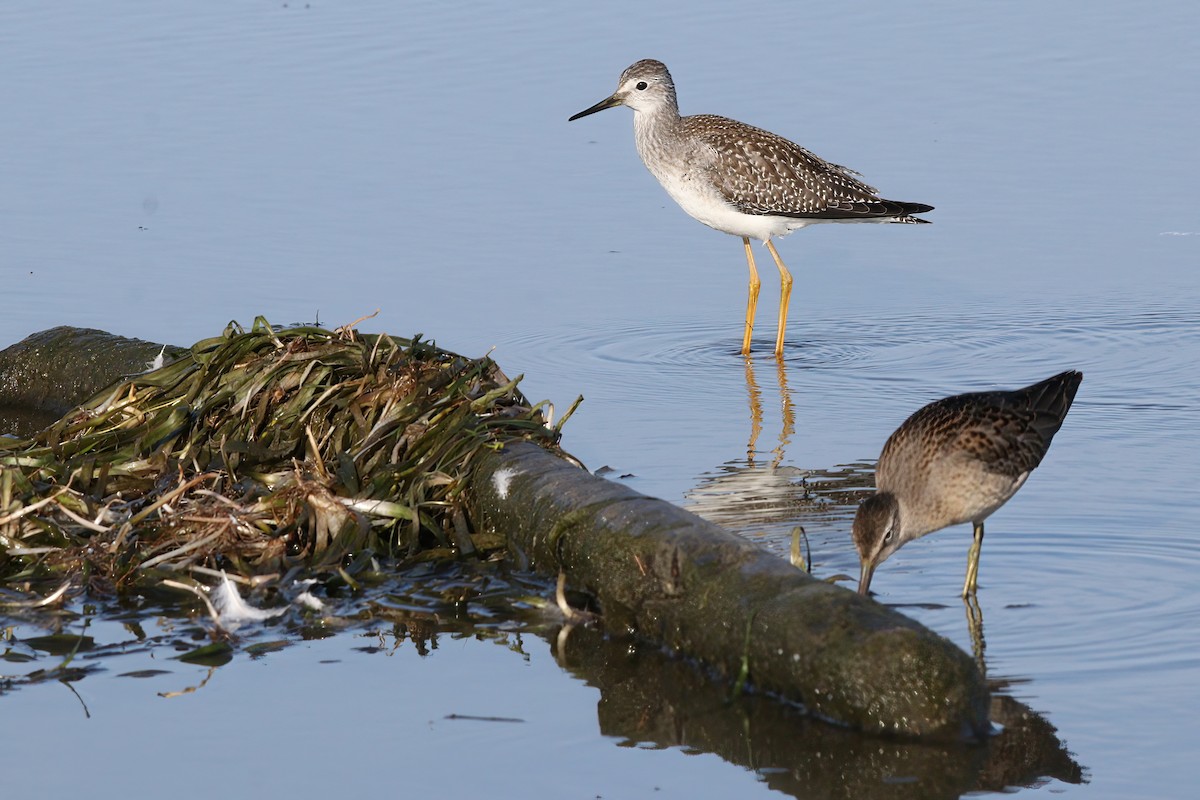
(655, 570)
(665, 574)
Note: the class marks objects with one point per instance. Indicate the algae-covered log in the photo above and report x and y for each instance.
(667, 575)
(284, 445)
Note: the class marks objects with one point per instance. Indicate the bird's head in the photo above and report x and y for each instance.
(876, 534)
(644, 86)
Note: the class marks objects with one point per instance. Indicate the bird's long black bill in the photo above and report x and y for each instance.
(607, 102)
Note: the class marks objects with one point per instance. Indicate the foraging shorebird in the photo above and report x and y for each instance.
(957, 460)
(742, 180)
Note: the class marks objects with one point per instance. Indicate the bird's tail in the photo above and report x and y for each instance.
(908, 209)
(1051, 400)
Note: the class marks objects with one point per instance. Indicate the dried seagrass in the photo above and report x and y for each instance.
(259, 451)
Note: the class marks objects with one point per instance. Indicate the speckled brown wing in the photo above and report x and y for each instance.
(1006, 433)
(777, 177)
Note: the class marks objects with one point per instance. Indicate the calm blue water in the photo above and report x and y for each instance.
(167, 168)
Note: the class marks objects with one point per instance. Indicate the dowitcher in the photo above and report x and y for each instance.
(957, 460)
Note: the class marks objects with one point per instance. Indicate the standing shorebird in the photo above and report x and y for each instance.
(958, 460)
(742, 180)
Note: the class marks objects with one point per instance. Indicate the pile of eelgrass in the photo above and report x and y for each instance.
(257, 452)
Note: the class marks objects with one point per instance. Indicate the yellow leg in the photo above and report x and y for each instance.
(973, 562)
(752, 303)
(785, 293)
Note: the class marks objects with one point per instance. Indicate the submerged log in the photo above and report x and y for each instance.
(664, 574)
(656, 570)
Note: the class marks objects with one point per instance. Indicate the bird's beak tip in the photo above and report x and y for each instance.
(607, 102)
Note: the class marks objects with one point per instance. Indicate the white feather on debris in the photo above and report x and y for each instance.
(233, 611)
(501, 479)
(157, 363)
(307, 598)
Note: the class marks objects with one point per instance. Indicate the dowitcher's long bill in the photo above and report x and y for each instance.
(742, 180)
(958, 460)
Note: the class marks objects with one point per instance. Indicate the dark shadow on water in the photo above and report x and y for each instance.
(649, 699)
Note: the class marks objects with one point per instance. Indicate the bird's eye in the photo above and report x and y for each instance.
(641, 86)
(889, 536)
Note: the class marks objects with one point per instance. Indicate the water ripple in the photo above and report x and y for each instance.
(1131, 357)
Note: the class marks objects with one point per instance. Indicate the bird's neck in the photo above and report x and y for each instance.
(913, 524)
(656, 130)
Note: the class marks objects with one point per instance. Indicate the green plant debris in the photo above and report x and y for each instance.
(259, 452)
(209, 655)
(259, 649)
(61, 644)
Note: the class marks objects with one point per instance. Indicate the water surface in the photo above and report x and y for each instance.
(168, 168)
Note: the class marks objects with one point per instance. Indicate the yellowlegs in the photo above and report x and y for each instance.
(957, 460)
(742, 180)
